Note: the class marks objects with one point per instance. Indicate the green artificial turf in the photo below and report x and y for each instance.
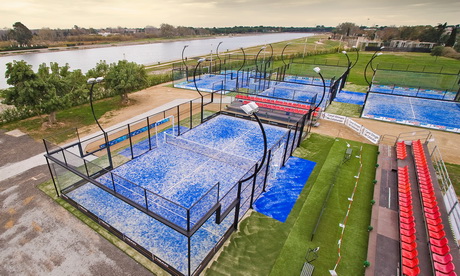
(264, 246)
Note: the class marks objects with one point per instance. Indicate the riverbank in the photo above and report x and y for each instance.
(121, 43)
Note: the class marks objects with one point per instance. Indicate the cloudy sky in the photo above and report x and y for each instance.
(37, 14)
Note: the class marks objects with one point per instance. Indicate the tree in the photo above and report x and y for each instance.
(451, 40)
(125, 77)
(21, 34)
(437, 51)
(347, 28)
(167, 30)
(47, 91)
(27, 89)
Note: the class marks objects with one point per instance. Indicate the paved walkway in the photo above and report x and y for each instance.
(15, 167)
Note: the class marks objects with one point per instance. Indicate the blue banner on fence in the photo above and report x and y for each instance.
(134, 133)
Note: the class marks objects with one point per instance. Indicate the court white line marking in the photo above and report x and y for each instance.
(412, 108)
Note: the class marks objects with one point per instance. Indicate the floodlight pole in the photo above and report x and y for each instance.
(257, 57)
(93, 81)
(348, 59)
(259, 167)
(196, 86)
(357, 57)
(318, 70)
(375, 55)
(282, 52)
(217, 53)
(367, 65)
(183, 61)
(238, 72)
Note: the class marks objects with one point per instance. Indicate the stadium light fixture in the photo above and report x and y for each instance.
(251, 109)
(183, 61)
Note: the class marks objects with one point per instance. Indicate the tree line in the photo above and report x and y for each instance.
(53, 88)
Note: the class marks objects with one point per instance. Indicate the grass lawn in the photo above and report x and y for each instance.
(75, 117)
(264, 246)
(344, 109)
(454, 174)
(401, 61)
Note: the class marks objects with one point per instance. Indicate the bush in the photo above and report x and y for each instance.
(450, 53)
(12, 114)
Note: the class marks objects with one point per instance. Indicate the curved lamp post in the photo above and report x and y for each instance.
(257, 57)
(348, 59)
(367, 65)
(194, 74)
(318, 71)
(357, 56)
(196, 86)
(183, 61)
(282, 52)
(251, 109)
(375, 55)
(93, 81)
(238, 72)
(217, 52)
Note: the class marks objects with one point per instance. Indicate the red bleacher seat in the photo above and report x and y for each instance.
(437, 235)
(411, 271)
(444, 268)
(407, 232)
(407, 226)
(433, 210)
(442, 259)
(436, 221)
(439, 242)
(411, 263)
(408, 239)
(409, 254)
(407, 220)
(442, 250)
(453, 273)
(406, 214)
(409, 246)
(435, 228)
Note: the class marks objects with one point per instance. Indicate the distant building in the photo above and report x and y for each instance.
(411, 44)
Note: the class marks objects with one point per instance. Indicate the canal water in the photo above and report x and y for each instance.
(146, 54)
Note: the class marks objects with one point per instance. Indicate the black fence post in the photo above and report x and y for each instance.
(52, 177)
(178, 121)
(148, 133)
(130, 142)
(253, 187)
(286, 148)
(267, 169)
(237, 206)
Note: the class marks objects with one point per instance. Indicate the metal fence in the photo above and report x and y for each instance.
(91, 160)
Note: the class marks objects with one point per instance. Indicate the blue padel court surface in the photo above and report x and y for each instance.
(350, 97)
(414, 92)
(181, 170)
(284, 190)
(427, 113)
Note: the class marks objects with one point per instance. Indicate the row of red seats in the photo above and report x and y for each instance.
(277, 102)
(440, 251)
(282, 108)
(407, 231)
(401, 152)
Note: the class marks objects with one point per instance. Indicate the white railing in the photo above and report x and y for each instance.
(360, 129)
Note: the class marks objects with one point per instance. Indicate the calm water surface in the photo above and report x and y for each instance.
(86, 59)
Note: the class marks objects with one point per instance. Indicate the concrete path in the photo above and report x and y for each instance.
(11, 169)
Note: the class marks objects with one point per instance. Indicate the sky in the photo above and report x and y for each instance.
(64, 14)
